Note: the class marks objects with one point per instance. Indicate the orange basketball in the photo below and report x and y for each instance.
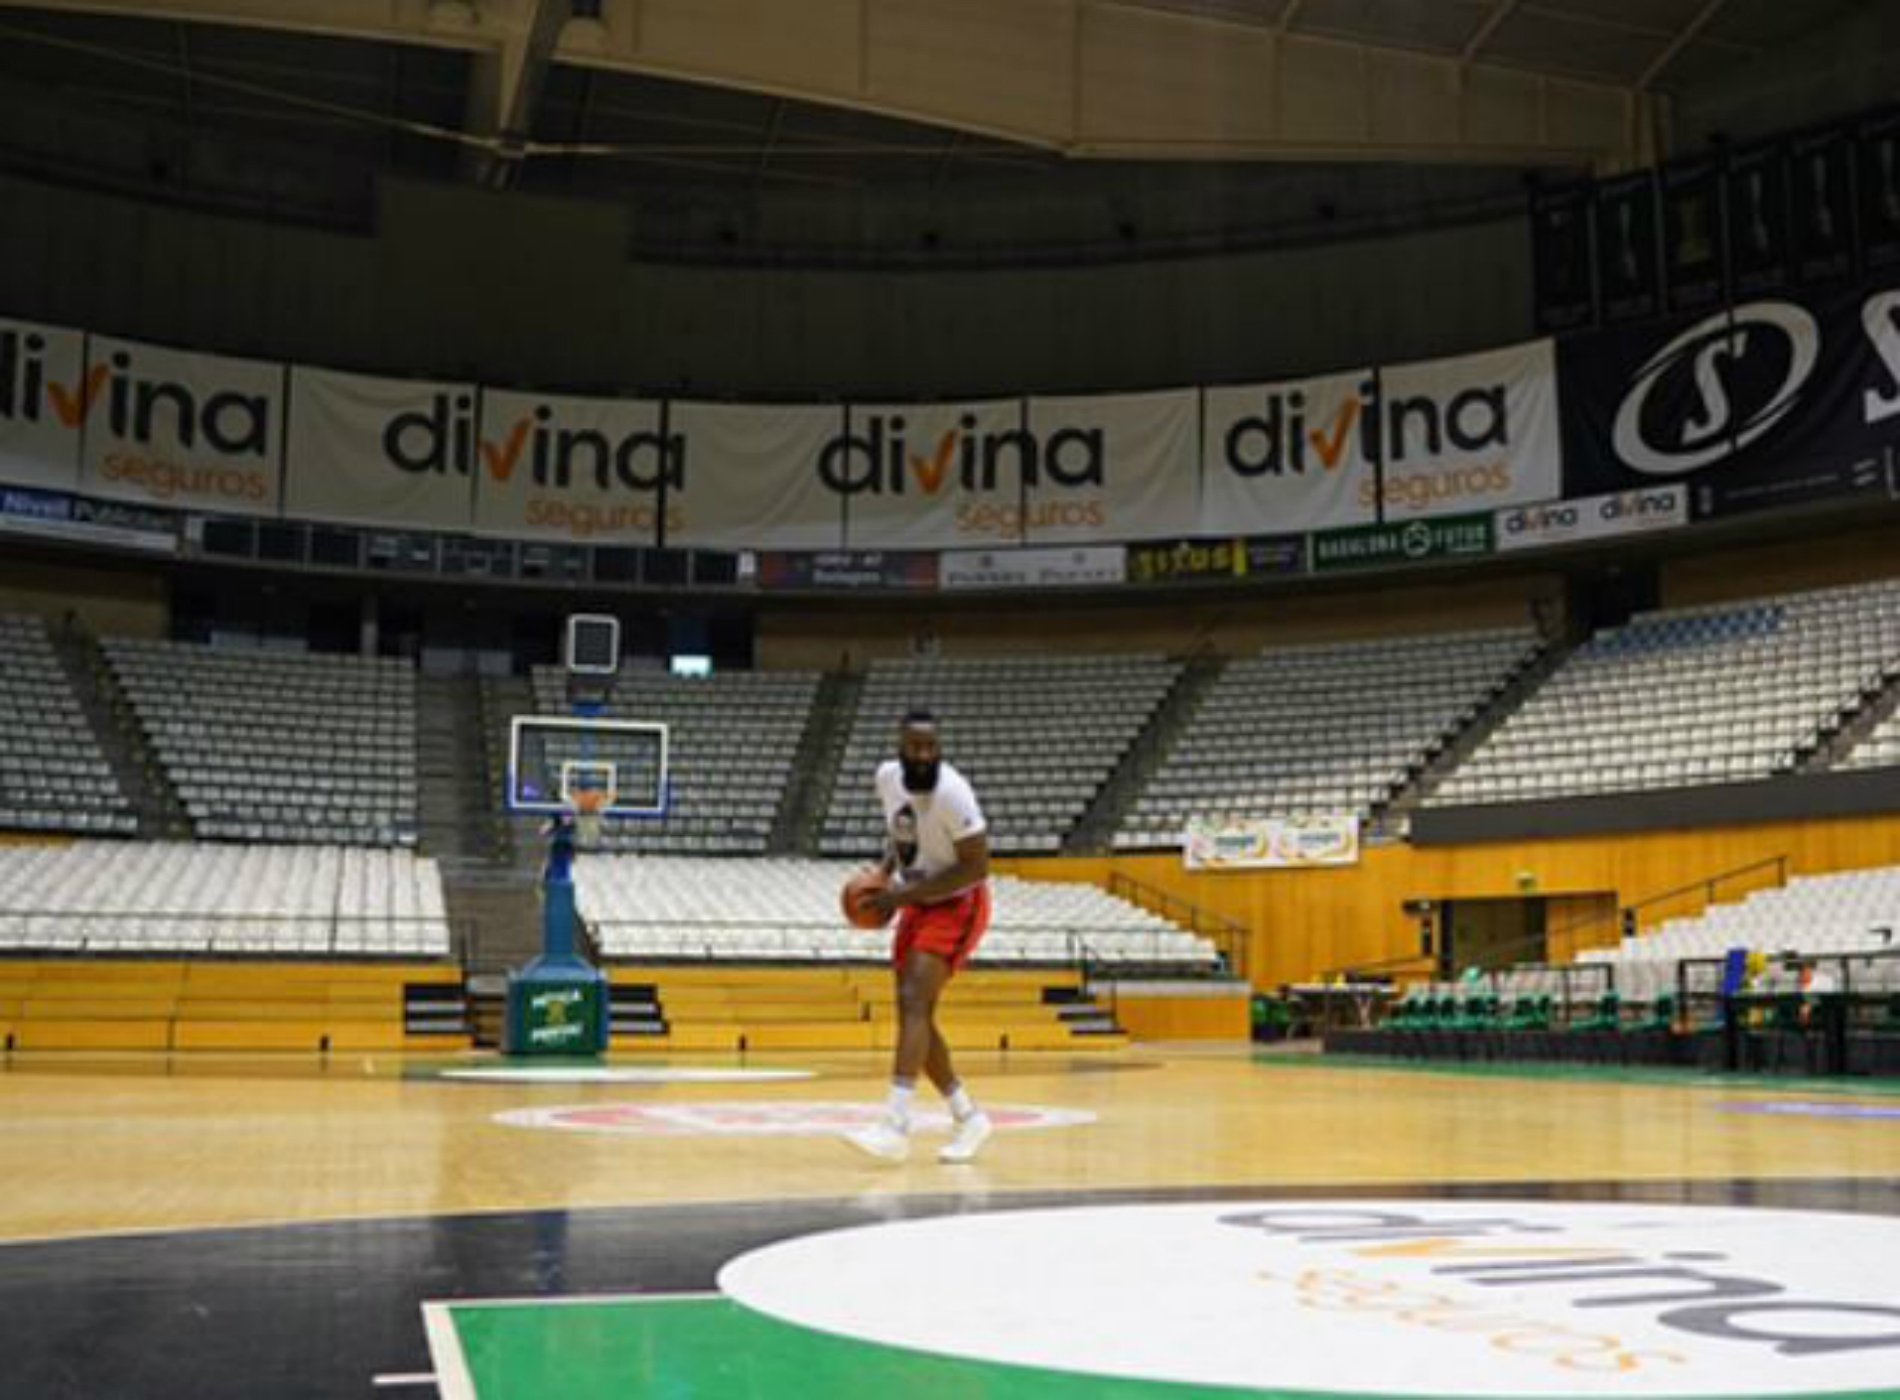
(856, 912)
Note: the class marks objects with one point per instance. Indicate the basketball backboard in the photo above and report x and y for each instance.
(550, 756)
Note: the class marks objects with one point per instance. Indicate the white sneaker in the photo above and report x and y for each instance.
(968, 1139)
(883, 1139)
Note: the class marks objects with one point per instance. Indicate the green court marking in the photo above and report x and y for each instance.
(709, 1348)
(706, 1347)
(1655, 1076)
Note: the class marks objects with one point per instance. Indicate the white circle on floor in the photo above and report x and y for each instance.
(1394, 1298)
(607, 1074)
(782, 1119)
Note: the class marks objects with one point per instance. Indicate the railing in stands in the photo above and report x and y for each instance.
(127, 933)
(1229, 935)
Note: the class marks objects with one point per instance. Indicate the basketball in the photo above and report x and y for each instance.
(856, 912)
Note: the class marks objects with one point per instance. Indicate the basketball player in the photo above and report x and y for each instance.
(938, 858)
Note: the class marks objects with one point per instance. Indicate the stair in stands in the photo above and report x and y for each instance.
(456, 797)
(1390, 817)
(140, 775)
(1853, 726)
(815, 765)
(498, 699)
(1094, 832)
(497, 909)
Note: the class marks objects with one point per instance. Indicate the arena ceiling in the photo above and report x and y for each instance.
(1301, 105)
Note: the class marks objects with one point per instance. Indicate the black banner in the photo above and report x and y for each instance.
(1880, 190)
(1821, 206)
(1758, 243)
(1565, 258)
(1695, 254)
(852, 569)
(1629, 248)
(1777, 402)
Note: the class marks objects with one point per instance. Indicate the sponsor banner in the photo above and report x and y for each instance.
(1394, 1297)
(1287, 456)
(1376, 546)
(175, 428)
(1773, 402)
(1270, 843)
(590, 471)
(1035, 568)
(750, 477)
(1470, 433)
(1182, 561)
(927, 476)
(372, 451)
(1112, 467)
(53, 515)
(1635, 512)
(44, 394)
(851, 569)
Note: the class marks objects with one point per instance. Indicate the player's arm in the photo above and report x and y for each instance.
(973, 865)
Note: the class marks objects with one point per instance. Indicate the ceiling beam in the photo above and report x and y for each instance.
(1492, 23)
(1679, 43)
(504, 93)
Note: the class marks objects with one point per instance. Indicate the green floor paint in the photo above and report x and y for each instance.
(711, 1349)
(1658, 1076)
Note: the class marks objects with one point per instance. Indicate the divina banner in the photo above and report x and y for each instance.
(591, 471)
(1774, 402)
(171, 428)
(1272, 843)
(44, 395)
(369, 451)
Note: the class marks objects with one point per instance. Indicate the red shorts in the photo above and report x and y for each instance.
(951, 929)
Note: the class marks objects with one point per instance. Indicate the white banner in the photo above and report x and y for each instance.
(172, 428)
(44, 395)
(1274, 843)
(926, 476)
(370, 451)
(750, 477)
(1286, 457)
(1111, 467)
(585, 470)
(1471, 433)
(1033, 568)
(1637, 512)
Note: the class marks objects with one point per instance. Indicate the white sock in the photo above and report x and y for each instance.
(961, 1104)
(898, 1106)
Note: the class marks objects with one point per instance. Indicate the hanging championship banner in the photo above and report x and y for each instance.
(371, 451)
(1695, 248)
(1561, 224)
(1760, 249)
(1878, 140)
(930, 476)
(1820, 177)
(585, 470)
(174, 428)
(1270, 843)
(750, 477)
(44, 397)
(1629, 248)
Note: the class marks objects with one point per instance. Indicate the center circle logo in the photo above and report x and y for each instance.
(1394, 1298)
(767, 1119)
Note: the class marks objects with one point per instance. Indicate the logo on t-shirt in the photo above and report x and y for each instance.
(904, 835)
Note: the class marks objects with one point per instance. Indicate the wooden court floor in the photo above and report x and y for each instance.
(204, 1226)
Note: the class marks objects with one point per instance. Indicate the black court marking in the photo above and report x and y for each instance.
(314, 1312)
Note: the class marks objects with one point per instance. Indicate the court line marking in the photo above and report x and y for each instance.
(414, 1378)
(452, 1376)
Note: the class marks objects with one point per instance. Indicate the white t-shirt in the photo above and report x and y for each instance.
(925, 826)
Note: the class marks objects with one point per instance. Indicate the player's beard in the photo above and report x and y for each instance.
(920, 777)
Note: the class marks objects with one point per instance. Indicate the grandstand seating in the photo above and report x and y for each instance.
(731, 741)
(1880, 748)
(1036, 736)
(1691, 696)
(53, 776)
(279, 746)
(110, 897)
(658, 907)
(1325, 729)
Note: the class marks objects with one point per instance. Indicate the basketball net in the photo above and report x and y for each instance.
(589, 803)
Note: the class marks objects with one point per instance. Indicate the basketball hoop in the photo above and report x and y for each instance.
(589, 803)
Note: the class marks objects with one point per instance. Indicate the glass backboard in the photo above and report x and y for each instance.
(550, 755)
